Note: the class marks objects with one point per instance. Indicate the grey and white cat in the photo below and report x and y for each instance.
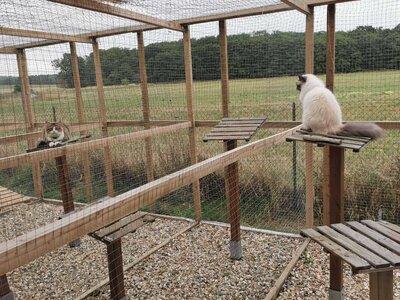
(322, 113)
(55, 133)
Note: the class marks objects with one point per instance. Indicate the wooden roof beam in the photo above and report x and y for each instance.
(8, 50)
(300, 5)
(120, 12)
(43, 35)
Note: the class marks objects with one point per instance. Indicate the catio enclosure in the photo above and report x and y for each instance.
(147, 81)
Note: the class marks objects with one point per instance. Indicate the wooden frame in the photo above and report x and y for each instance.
(309, 154)
(29, 158)
(103, 118)
(49, 237)
(187, 49)
(299, 5)
(204, 19)
(29, 118)
(81, 119)
(146, 108)
(43, 35)
(120, 12)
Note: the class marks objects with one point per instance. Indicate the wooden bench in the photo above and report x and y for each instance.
(368, 246)
(111, 235)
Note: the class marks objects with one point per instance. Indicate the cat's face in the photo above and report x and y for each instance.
(54, 131)
(300, 82)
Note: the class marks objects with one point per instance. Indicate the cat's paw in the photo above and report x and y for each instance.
(51, 144)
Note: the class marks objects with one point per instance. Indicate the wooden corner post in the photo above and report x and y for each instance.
(146, 110)
(333, 189)
(81, 119)
(190, 111)
(309, 161)
(103, 117)
(29, 118)
(5, 291)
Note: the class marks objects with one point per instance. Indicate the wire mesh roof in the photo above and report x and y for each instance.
(56, 18)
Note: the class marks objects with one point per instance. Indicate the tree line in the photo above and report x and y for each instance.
(256, 55)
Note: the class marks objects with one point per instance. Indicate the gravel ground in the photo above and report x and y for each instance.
(195, 265)
(310, 279)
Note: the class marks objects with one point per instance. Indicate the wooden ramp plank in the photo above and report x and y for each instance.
(383, 230)
(380, 239)
(368, 243)
(372, 258)
(352, 259)
(391, 226)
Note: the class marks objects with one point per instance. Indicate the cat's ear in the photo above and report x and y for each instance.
(302, 78)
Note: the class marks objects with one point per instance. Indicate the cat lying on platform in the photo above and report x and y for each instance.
(322, 113)
(54, 134)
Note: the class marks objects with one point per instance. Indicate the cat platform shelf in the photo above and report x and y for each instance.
(49, 141)
(230, 130)
(333, 188)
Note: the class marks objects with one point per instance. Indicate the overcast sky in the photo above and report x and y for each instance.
(377, 13)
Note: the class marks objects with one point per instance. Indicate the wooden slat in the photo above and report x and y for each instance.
(227, 137)
(375, 260)
(390, 225)
(117, 225)
(354, 260)
(244, 125)
(383, 230)
(380, 239)
(129, 228)
(368, 243)
(222, 133)
(234, 129)
(120, 12)
(342, 145)
(29, 246)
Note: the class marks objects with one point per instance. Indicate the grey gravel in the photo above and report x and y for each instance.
(195, 265)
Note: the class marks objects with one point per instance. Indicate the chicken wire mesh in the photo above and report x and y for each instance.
(264, 54)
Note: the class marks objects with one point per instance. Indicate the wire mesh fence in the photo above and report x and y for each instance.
(266, 52)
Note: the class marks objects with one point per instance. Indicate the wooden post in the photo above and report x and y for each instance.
(333, 189)
(29, 118)
(330, 47)
(190, 110)
(64, 183)
(103, 118)
(223, 42)
(81, 119)
(381, 285)
(5, 291)
(146, 110)
(334, 210)
(309, 163)
(116, 270)
(233, 196)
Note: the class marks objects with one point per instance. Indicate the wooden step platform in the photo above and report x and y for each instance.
(352, 143)
(368, 247)
(234, 129)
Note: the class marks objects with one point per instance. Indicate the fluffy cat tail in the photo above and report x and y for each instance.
(370, 130)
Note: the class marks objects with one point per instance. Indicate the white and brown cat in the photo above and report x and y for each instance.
(322, 113)
(55, 133)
